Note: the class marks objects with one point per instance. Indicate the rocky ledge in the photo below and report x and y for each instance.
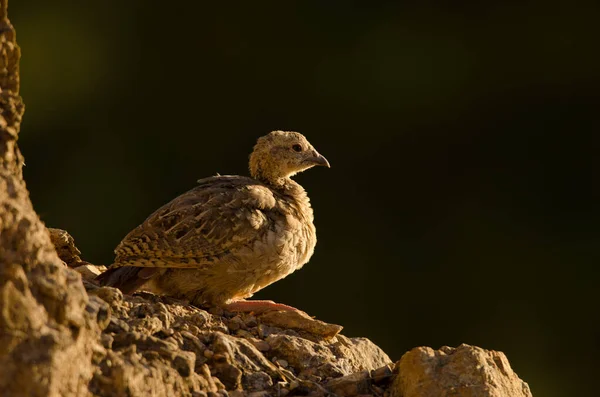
(152, 345)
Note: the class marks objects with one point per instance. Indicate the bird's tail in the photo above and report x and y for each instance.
(126, 278)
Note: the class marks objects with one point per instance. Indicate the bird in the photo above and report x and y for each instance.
(228, 237)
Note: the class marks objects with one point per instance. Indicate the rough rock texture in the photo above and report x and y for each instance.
(62, 335)
(465, 371)
(48, 327)
(65, 248)
(192, 351)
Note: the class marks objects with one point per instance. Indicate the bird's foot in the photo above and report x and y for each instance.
(257, 306)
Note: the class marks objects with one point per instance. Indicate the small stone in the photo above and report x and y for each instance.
(89, 271)
(282, 363)
(106, 340)
(264, 330)
(261, 345)
(229, 375)
(220, 358)
(110, 295)
(236, 323)
(244, 334)
(257, 381)
(64, 244)
(294, 384)
(165, 332)
(251, 321)
(208, 353)
(351, 385)
(381, 375)
(100, 310)
(300, 321)
(116, 325)
(216, 311)
(184, 363)
(199, 318)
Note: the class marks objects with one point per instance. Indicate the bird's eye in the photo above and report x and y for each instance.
(297, 148)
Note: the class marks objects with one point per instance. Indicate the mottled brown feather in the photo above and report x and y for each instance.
(229, 236)
(214, 219)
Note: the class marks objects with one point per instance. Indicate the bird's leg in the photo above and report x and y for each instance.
(257, 306)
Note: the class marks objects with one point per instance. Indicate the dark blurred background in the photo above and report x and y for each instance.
(462, 202)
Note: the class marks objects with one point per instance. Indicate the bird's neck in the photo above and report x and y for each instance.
(296, 193)
(295, 199)
(270, 178)
(266, 174)
(281, 184)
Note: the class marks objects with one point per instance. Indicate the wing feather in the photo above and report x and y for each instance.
(198, 228)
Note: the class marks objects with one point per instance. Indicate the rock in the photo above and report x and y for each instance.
(129, 373)
(236, 323)
(336, 357)
(184, 363)
(257, 381)
(159, 330)
(89, 271)
(359, 354)
(300, 321)
(465, 371)
(156, 345)
(351, 385)
(49, 333)
(382, 375)
(261, 345)
(361, 383)
(229, 375)
(65, 248)
(99, 310)
(243, 353)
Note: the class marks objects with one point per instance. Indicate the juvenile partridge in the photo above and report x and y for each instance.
(228, 237)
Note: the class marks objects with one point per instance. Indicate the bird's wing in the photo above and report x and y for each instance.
(221, 215)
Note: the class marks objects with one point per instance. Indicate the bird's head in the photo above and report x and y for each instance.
(281, 154)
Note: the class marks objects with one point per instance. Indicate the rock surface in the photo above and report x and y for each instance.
(465, 371)
(97, 341)
(152, 344)
(123, 345)
(65, 247)
(156, 344)
(48, 325)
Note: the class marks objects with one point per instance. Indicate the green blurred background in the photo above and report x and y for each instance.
(462, 202)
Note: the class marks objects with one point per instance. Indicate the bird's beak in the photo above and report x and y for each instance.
(317, 159)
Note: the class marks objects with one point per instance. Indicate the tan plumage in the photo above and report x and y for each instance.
(229, 236)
